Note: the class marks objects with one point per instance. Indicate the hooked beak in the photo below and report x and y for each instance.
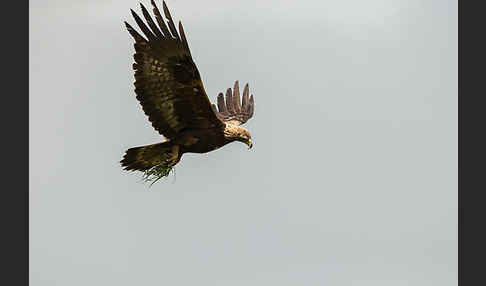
(250, 144)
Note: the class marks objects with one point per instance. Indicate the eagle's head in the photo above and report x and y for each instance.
(234, 132)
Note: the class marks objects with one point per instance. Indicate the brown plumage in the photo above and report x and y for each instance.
(172, 95)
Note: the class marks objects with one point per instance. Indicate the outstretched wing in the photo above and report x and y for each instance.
(167, 82)
(235, 110)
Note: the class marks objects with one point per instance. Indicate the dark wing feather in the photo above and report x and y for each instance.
(150, 21)
(167, 82)
(222, 104)
(183, 37)
(170, 22)
(160, 20)
(232, 110)
(236, 98)
(229, 101)
(146, 31)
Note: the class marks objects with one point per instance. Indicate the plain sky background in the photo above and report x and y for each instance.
(352, 179)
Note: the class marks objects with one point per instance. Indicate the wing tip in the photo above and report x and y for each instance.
(166, 9)
(143, 8)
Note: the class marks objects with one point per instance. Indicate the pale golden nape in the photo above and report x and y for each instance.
(234, 132)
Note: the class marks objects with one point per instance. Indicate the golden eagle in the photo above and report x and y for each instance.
(172, 95)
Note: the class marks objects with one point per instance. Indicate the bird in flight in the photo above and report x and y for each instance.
(169, 88)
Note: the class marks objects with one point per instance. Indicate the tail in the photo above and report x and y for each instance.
(156, 160)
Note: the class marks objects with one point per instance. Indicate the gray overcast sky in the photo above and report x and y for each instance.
(352, 179)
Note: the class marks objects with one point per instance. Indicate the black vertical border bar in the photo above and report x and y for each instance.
(14, 210)
(472, 144)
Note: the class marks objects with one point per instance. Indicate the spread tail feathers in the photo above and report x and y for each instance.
(156, 160)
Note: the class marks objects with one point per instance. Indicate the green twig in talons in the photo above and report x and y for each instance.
(157, 172)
